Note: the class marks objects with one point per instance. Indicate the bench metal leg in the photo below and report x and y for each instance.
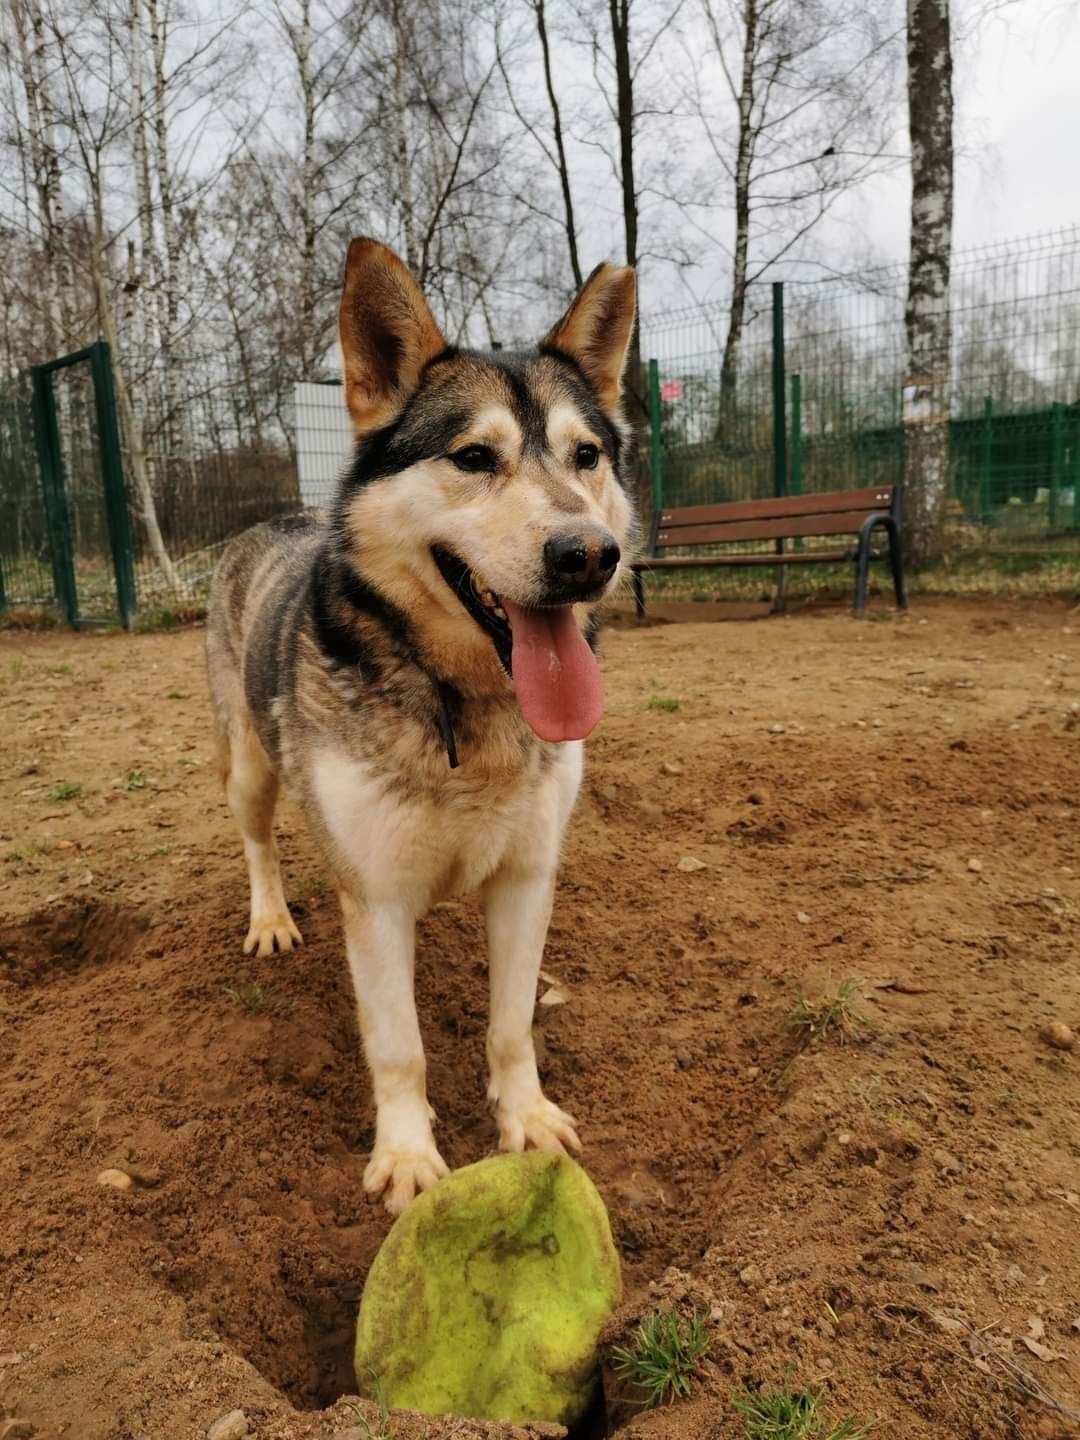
(639, 593)
(896, 564)
(862, 573)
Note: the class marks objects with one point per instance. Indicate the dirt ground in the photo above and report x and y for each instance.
(887, 1215)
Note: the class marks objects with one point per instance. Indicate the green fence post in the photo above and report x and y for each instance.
(3, 591)
(656, 440)
(112, 474)
(778, 388)
(1076, 469)
(796, 434)
(51, 466)
(779, 398)
(1057, 461)
(986, 461)
(796, 441)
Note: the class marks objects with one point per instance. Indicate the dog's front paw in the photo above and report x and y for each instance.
(403, 1174)
(269, 930)
(540, 1124)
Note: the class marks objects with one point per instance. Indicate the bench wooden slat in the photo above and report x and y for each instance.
(877, 497)
(763, 557)
(839, 522)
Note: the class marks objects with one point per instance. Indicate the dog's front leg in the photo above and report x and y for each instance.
(380, 940)
(518, 905)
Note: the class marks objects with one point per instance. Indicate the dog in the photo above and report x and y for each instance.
(417, 665)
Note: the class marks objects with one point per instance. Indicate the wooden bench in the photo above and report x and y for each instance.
(793, 517)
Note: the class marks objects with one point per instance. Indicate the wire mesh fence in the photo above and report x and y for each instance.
(1014, 402)
(206, 452)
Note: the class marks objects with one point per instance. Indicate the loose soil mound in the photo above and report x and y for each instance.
(887, 1213)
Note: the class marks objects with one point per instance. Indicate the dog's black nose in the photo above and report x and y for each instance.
(581, 562)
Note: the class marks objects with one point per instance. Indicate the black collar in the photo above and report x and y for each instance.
(448, 696)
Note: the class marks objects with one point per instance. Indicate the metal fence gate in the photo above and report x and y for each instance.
(76, 518)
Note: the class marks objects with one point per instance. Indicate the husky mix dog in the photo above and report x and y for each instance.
(418, 667)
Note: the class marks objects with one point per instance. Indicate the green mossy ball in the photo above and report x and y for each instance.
(489, 1293)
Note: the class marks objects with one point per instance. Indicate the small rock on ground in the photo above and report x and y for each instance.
(116, 1178)
(1058, 1035)
(233, 1426)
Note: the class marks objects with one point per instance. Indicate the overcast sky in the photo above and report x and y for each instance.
(1018, 133)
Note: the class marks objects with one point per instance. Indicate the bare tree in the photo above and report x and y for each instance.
(96, 119)
(927, 320)
(805, 117)
(554, 149)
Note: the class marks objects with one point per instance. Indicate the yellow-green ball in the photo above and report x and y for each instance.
(488, 1295)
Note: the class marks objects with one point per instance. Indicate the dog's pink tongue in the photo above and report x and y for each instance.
(556, 676)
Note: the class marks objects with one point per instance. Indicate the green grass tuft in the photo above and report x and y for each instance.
(381, 1430)
(827, 1014)
(662, 702)
(64, 669)
(30, 851)
(663, 1355)
(65, 790)
(259, 999)
(134, 780)
(785, 1414)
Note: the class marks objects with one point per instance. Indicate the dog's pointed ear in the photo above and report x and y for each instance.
(388, 334)
(595, 332)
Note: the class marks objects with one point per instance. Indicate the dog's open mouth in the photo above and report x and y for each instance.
(555, 674)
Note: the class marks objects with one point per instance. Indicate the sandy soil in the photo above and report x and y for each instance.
(889, 1216)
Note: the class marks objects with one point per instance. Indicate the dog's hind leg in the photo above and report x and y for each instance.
(251, 789)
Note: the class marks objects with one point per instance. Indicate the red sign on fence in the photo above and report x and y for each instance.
(671, 390)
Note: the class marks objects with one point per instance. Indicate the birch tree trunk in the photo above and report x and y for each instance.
(130, 420)
(927, 318)
(743, 159)
(401, 143)
(44, 163)
(168, 261)
(302, 44)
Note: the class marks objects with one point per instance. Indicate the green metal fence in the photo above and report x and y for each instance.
(185, 455)
(1015, 393)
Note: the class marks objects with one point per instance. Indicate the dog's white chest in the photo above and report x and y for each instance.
(420, 850)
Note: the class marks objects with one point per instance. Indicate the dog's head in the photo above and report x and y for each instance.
(487, 499)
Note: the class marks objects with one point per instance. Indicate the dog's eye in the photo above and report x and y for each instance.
(475, 459)
(587, 457)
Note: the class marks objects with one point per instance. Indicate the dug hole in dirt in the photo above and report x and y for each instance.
(774, 812)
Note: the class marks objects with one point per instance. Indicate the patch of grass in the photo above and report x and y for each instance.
(65, 790)
(178, 695)
(148, 621)
(137, 855)
(259, 999)
(64, 669)
(134, 780)
(663, 1355)
(662, 702)
(29, 852)
(381, 1429)
(785, 1414)
(827, 1014)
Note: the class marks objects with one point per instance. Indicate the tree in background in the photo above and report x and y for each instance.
(802, 115)
(926, 319)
